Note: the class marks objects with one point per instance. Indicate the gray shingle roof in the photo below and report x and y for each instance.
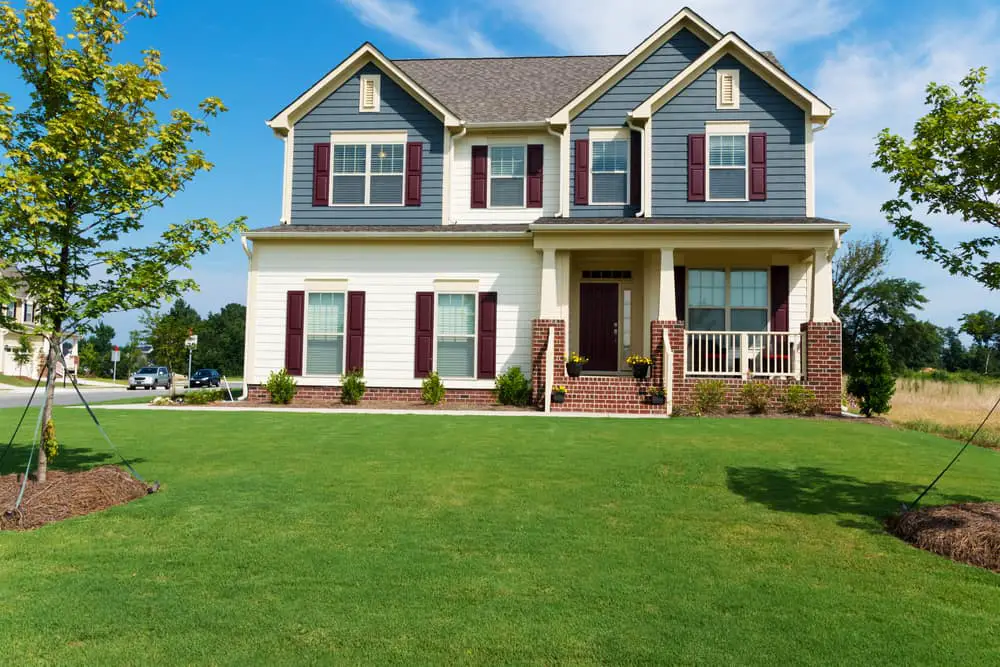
(389, 229)
(503, 90)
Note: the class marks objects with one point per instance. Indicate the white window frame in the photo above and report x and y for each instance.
(733, 129)
(451, 291)
(728, 307)
(376, 80)
(11, 310)
(735, 74)
(28, 307)
(367, 139)
(490, 177)
(611, 134)
(305, 334)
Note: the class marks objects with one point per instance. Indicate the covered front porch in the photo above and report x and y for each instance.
(730, 305)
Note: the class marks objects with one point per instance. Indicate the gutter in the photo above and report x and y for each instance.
(247, 333)
(451, 162)
(642, 133)
(699, 227)
(422, 236)
(559, 136)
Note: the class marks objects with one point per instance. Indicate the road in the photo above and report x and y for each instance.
(17, 398)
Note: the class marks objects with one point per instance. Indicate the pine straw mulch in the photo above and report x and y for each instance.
(65, 495)
(967, 533)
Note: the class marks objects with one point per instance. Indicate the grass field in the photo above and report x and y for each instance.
(15, 381)
(953, 409)
(353, 539)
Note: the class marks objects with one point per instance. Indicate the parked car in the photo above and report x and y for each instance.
(150, 377)
(206, 377)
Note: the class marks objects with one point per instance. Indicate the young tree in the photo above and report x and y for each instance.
(23, 353)
(84, 162)
(984, 328)
(874, 383)
(951, 167)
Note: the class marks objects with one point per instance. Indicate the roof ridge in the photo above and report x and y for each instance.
(575, 55)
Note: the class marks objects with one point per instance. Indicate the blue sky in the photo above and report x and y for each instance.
(870, 60)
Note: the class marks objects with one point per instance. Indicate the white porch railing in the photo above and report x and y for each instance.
(743, 353)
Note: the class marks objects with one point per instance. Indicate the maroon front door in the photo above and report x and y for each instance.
(599, 325)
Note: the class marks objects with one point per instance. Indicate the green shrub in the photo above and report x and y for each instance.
(513, 388)
(757, 396)
(353, 388)
(281, 386)
(799, 400)
(709, 395)
(49, 442)
(203, 396)
(873, 382)
(432, 390)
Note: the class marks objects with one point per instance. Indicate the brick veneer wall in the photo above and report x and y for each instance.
(539, 338)
(317, 394)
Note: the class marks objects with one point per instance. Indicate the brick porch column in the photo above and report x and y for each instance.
(824, 368)
(675, 334)
(539, 336)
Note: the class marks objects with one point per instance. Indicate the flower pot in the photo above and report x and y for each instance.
(558, 397)
(656, 400)
(574, 369)
(640, 371)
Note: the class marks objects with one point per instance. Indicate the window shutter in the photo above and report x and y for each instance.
(536, 156)
(369, 87)
(321, 174)
(581, 173)
(355, 331)
(635, 169)
(295, 314)
(480, 160)
(696, 167)
(487, 336)
(779, 298)
(758, 166)
(423, 357)
(414, 172)
(680, 292)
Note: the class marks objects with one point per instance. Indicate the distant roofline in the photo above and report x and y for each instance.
(568, 55)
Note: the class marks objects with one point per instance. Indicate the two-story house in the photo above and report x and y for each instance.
(468, 215)
(17, 320)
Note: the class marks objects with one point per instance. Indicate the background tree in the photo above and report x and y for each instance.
(84, 162)
(221, 338)
(984, 328)
(167, 331)
(954, 356)
(950, 167)
(95, 351)
(859, 265)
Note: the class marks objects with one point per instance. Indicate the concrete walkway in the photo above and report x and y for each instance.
(372, 411)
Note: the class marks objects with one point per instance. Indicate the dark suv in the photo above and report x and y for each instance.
(206, 377)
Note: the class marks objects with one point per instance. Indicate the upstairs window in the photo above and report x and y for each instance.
(727, 89)
(371, 93)
(29, 313)
(507, 176)
(727, 167)
(368, 174)
(609, 165)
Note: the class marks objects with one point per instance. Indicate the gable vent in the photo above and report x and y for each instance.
(728, 89)
(370, 92)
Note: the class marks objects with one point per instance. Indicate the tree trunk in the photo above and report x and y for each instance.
(987, 371)
(50, 395)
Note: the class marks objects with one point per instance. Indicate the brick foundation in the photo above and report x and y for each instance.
(318, 394)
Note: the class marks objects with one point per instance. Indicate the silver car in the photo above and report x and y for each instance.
(150, 377)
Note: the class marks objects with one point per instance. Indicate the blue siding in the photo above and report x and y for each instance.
(767, 110)
(611, 109)
(339, 111)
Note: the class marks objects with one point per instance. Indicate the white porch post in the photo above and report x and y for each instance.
(822, 301)
(668, 304)
(549, 307)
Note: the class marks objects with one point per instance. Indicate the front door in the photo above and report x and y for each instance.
(599, 325)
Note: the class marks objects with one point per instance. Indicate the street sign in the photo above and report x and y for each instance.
(145, 348)
(192, 341)
(116, 354)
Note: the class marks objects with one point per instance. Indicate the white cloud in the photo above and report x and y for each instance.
(598, 26)
(452, 35)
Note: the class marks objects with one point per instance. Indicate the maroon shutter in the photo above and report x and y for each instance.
(696, 167)
(414, 171)
(480, 159)
(680, 292)
(321, 174)
(536, 153)
(295, 315)
(581, 173)
(635, 169)
(355, 331)
(423, 356)
(779, 298)
(487, 336)
(758, 166)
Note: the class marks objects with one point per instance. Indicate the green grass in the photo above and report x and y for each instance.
(354, 539)
(15, 381)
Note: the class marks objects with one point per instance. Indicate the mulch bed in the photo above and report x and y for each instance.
(65, 495)
(967, 533)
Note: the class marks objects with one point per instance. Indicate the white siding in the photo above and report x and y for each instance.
(391, 275)
(798, 296)
(461, 179)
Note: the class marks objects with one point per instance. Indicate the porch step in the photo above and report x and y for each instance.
(615, 394)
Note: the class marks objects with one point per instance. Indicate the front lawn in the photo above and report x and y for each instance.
(15, 381)
(356, 539)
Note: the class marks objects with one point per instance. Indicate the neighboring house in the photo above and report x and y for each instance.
(21, 315)
(469, 215)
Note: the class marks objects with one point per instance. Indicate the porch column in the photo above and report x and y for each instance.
(668, 304)
(549, 307)
(822, 301)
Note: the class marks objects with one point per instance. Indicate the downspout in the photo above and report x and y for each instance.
(247, 334)
(642, 134)
(451, 153)
(559, 136)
